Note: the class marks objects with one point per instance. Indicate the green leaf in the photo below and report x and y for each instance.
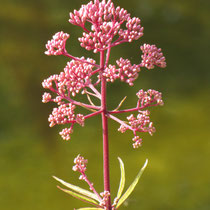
(80, 197)
(88, 208)
(77, 189)
(122, 179)
(132, 186)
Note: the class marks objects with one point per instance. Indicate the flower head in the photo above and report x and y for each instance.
(126, 72)
(65, 133)
(56, 45)
(141, 123)
(76, 75)
(106, 21)
(152, 56)
(137, 142)
(80, 164)
(149, 97)
(46, 97)
(62, 115)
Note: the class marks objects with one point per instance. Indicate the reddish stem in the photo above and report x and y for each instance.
(132, 109)
(78, 59)
(105, 132)
(73, 101)
(91, 185)
(92, 114)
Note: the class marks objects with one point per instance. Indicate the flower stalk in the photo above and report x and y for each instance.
(105, 132)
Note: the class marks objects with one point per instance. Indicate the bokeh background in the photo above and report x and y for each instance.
(178, 174)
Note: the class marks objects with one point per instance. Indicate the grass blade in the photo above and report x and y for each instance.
(77, 189)
(132, 186)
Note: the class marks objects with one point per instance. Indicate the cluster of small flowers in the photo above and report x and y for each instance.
(105, 197)
(134, 30)
(65, 133)
(58, 99)
(80, 119)
(141, 123)
(62, 115)
(56, 45)
(152, 56)
(137, 142)
(106, 21)
(150, 96)
(126, 72)
(95, 41)
(48, 83)
(46, 97)
(76, 75)
(80, 164)
(111, 73)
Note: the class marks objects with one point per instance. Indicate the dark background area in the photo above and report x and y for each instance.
(178, 173)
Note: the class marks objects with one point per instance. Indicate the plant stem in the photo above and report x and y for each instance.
(105, 131)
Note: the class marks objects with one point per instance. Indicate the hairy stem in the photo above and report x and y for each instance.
(105, 132)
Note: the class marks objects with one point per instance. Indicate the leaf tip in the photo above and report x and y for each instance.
(145, 164)
(56, 178)
(119, 158)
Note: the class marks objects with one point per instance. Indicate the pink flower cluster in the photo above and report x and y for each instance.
(105, 23)
(134, 30)
(80, 166)
(46, 97)
(104, 27)
(152, 56)
(141, 123)
(149, 97)
(105, 197)
(137, 142)
(56, 46)
(126, 72)
(62, 115)
(66, 132)
(76, 75)
(48, 83)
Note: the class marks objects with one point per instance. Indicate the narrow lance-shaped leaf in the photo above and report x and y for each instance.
(80, 197)
(77, 189)
(122, 178)
(132, 186)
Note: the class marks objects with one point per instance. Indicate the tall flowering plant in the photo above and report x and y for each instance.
(104, 27)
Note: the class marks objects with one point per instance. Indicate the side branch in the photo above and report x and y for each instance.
(93, 114)
(78, 59)
(88, 106)
(132, 109)
(119, 121)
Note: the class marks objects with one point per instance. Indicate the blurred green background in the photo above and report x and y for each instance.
(178, 174)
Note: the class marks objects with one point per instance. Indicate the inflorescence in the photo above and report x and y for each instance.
(104, 27)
